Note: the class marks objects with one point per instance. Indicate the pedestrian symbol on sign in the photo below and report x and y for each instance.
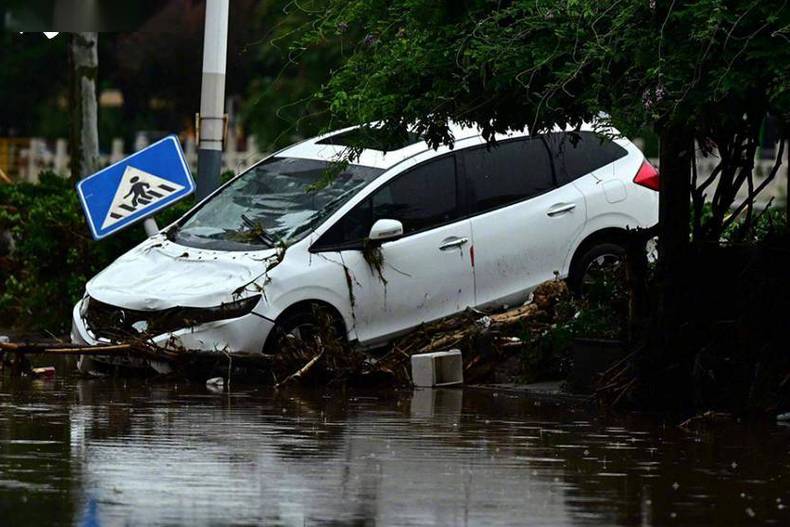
(137, 189)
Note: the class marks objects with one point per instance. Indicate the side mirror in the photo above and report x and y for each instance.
(384, 230)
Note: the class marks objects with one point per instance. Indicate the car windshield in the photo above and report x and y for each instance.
(279, 200)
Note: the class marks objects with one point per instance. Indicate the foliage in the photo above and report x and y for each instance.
(282, 106)
(769, 225)
(714, 69)
(54, 253)
(601, 313)
(546, 62)
(28, 96)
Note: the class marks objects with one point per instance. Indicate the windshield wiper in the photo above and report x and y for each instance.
(259, 231)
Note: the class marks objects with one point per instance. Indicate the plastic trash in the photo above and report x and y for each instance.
(46, 372)
(216, 385)
(216, 382)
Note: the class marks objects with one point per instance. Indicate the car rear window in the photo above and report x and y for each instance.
(576, 154)
(506, 173)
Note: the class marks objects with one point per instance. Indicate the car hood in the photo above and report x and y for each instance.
(159, 274)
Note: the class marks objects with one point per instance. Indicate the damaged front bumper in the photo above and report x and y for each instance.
(246, 333)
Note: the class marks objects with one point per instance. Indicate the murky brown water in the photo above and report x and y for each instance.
(115, 452)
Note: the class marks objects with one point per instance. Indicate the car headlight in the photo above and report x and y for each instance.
(84, 306)
(230, 310)
(184, 317)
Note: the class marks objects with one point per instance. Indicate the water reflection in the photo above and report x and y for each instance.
(132, 453)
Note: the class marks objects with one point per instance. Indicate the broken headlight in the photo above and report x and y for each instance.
(112, 322)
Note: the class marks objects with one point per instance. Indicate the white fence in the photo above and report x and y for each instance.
(775, 192)
(42, 155)
(39, 155)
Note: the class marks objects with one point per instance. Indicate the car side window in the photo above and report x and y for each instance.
(507, 173)
(578, 154)
(422, 198)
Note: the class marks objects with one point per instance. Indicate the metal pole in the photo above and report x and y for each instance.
(212, 97)
(150, 226)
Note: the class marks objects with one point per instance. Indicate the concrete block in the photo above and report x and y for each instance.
(441, 368)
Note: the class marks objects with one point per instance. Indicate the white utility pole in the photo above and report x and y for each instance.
(211, 125)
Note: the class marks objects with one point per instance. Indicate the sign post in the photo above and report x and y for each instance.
(211, 125)
(135, 188)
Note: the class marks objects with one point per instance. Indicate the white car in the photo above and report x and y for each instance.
(451, 228)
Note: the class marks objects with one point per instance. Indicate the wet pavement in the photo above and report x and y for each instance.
(131, 452)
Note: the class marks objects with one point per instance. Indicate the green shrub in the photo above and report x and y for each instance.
(600, 313)
(54, 252)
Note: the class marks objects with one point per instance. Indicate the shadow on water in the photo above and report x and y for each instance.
(132, 452)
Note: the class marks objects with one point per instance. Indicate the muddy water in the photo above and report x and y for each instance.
(113, 452)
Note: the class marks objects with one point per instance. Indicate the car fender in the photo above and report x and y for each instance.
(275, 304)
(600, 222)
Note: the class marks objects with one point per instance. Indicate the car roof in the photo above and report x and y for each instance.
(325, 148)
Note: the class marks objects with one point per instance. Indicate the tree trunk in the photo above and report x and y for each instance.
(84, 137)
(677, 150)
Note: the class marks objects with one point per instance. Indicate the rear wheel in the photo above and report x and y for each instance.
(597, 264)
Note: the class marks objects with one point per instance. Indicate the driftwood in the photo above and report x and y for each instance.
(302, 371)
(486, 340)
(14, 353)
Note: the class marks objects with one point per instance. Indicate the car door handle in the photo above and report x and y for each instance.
(560, 208)
(450, 243)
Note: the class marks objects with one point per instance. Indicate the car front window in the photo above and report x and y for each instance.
(279, 200)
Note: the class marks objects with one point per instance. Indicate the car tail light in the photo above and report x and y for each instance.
(647, 176)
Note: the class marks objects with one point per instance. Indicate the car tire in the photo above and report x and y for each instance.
(603, 254)
(302, 323)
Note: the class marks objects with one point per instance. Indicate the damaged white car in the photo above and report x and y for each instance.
(471, 226)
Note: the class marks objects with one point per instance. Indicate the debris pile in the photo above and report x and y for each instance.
(486, 339)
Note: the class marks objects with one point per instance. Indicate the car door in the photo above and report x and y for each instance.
(424, 275)
(523, 224)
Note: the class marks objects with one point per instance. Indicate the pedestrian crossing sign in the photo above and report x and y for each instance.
(136, 187)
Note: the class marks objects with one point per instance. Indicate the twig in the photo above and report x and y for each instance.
(301, 371)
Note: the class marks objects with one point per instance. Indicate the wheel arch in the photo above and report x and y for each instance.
(306, 305)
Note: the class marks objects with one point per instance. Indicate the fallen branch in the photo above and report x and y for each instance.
(304, 369)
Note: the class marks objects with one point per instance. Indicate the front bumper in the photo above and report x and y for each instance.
(247, 333)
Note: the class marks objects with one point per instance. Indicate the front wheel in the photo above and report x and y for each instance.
(302, 336)
(310, 326)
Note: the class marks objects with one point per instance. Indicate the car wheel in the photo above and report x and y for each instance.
(310, 326)
(594, 264)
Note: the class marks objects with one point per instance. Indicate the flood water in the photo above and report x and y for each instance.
(131, 452)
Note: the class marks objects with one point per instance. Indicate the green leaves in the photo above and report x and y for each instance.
(540, 63)
(54, 252)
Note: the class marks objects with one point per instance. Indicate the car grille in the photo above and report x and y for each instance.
(116, 323)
